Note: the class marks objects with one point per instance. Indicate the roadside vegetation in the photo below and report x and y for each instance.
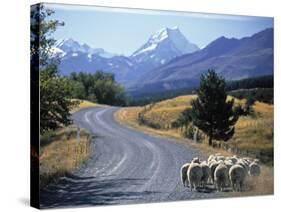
(63, 146)
(242, 126)
(83, 104)
(61, 153)
(253, 135)
(56, 91)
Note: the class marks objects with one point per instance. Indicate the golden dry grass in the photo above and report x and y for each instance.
(165, 112)
(129, 117)
(253, 186)
(253, 134)
(62, 154)
(82, 104)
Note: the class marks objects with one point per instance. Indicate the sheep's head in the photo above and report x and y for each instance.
(196, 160)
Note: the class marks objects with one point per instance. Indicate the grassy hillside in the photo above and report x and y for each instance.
(253, 135)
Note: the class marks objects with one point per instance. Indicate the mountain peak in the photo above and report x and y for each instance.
(167, 39)
(65, 41)
(164, 33)
(69, 45)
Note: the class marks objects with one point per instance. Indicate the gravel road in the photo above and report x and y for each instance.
(126, 166)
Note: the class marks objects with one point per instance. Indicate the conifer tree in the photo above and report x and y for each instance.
(211, 112)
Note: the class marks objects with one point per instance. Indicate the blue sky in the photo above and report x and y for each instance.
(123, 31)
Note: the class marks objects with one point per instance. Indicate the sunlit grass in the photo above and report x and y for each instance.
(61, 153)
(252, 133)
(82, 104)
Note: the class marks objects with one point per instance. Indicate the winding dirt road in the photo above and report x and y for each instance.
(125, 167)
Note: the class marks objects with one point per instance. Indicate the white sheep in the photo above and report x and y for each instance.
(205, 172)
(184, 169)
(237, 175)
(220, 158)
(234, 159)
(254, 169)
(210, 158)
(195, 160)
(194, 175)
(213, 167)
(228, 164)
(256, 160)
(221, 176)
(243, 163)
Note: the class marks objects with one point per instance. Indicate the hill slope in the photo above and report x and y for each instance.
(253, 135)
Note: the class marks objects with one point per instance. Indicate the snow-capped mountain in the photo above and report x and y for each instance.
(161, 47)
(232, 58)
(76, 57)
(66, 46)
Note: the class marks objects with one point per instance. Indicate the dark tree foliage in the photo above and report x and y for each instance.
(55, 91)
(211, 112)
(100, 87)
(258, 94)
(41, 31)
(259, 87)
(254, 82)
(55, 102)
(249, 106)
(184, 119)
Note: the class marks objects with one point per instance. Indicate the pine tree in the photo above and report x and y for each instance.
(211, 112)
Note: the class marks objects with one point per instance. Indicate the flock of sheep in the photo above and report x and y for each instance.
(220, 171)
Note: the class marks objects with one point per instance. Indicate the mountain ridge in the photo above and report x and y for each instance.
(159, 64)
(230, 57)
(168, 42)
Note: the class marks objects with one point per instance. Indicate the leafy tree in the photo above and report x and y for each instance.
(55, 91)
(249, 105)
(211, 112)
(100, 87)
(41, 30)
(55, 102)
(78, 90)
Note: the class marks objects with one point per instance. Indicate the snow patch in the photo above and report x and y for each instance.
(147, 49)
(129, 63)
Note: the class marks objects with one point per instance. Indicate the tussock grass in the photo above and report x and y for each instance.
(263, 185)
(253, 134)
(60, 153)
(165, 112)
(84, 104)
